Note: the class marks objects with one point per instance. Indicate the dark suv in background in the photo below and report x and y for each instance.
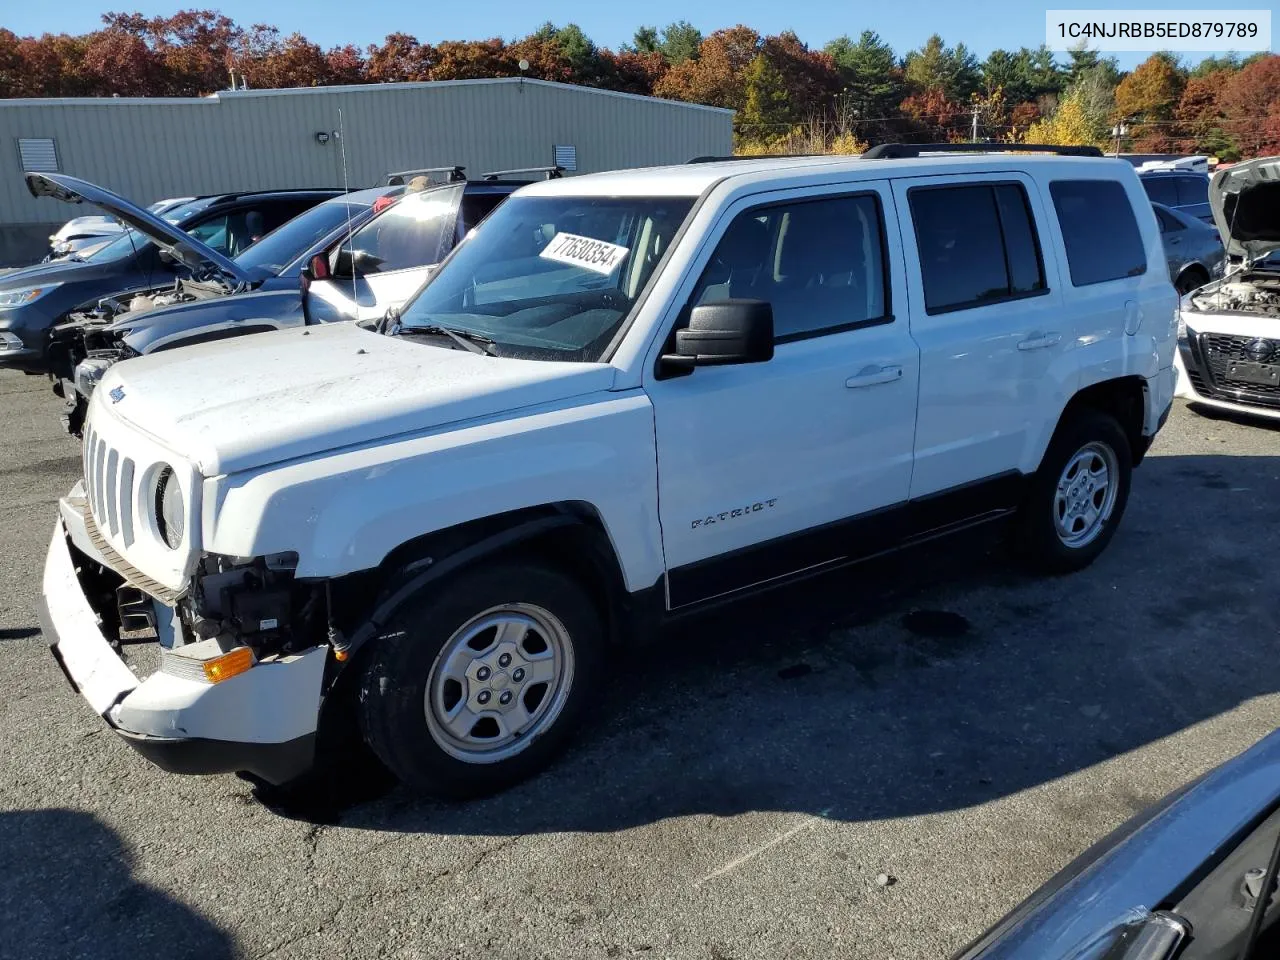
(34, 299)
(1182, 190)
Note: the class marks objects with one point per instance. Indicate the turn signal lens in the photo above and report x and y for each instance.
(228, 665)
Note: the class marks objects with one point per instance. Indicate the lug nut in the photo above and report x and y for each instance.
(483, 697)
(517, 674)
(505, 698)
(482, 673)
(504, 660)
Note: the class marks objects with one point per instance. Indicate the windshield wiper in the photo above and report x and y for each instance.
(475, 342)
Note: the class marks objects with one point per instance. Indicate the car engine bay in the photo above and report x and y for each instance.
(1250, 292)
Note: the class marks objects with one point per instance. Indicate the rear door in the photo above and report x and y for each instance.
(388, 259)
(986, 312)
(1193, 197)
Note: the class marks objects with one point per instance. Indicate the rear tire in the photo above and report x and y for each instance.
(1078, 495)
(479, 683)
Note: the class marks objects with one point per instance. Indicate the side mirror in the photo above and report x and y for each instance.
(318, 267)
(343, 264)
(718, 334)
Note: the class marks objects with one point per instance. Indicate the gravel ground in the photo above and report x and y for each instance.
(938, 718)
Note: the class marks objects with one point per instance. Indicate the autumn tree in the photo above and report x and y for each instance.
(1150, 95)
(119, 63)
(714, 77)
(12, 82)
(399, 58)
(1246, 100)
(1199, 116)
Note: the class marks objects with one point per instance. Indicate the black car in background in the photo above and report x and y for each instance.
(33, 299)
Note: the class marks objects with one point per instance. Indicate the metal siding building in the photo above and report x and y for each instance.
(147, 149)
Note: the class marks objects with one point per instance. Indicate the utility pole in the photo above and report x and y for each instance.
(973, 137)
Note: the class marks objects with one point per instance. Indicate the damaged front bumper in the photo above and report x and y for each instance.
(261, 722)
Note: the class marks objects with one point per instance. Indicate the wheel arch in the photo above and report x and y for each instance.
(1123, 398)
(570, 535)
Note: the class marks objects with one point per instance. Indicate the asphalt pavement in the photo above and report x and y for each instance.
(939, 721)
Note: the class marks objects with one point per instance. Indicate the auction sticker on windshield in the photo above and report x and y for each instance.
(597, 256)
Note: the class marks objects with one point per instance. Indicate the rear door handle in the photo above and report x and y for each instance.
(870, 376)
(1040, 341)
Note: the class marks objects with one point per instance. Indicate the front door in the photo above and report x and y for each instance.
(773, 469)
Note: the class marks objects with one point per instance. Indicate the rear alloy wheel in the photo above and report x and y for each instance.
(1078, 495)
(478, 683)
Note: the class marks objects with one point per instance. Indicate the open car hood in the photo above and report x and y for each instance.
(1245, 199)
(185, 248)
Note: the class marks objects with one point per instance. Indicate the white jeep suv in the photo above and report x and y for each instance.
(623, 397)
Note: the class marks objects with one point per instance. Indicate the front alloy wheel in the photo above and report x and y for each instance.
(478, 682)
(503, 676)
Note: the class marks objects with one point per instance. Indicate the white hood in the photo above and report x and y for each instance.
(1245, 200)
(242, 403)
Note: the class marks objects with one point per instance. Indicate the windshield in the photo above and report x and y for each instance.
(416, 231)
(270, 255)
(131, 240)
(551, 278)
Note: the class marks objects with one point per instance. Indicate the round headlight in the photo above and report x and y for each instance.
(170, 510)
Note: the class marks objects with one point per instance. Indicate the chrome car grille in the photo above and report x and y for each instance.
(1212, 355)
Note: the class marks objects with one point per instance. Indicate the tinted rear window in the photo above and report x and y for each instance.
(1161, 190)
(977, 245)
(1100, 232)
(1193, 190)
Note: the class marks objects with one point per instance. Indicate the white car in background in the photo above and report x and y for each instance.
(1229, 330)
(80, 236)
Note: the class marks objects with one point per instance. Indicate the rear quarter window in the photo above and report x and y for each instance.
(1099, 231)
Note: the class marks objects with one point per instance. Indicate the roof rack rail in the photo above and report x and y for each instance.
(553, 172)
(758, 156)
(456, 175)
(899, 151)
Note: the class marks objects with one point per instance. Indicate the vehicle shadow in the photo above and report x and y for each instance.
(66, 890)
(934, 680)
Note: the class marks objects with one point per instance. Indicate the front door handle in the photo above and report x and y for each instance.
(1038, 341)
(870, 376)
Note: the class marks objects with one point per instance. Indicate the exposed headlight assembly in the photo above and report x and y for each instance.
(170, 508)
(20, 298)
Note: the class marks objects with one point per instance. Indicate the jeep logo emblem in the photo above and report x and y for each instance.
(116, 394)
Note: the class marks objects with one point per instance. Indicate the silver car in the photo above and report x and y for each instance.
(1193, 248)
(1192, 877)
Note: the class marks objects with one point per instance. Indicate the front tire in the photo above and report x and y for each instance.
(1078, 495)
(478, 684)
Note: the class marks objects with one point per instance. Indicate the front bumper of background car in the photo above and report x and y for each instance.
(261, 721)
(1198, 382)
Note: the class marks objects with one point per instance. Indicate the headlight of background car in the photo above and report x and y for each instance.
(1182, 326)
(20, 298)
(169, 508)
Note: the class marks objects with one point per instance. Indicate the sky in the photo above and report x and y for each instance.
(905, 24)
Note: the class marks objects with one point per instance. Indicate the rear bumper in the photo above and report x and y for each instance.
(261, 722)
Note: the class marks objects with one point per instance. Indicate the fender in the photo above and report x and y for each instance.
(427, 570)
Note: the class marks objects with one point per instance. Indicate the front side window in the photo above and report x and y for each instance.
(551, 277)
(283, 245)
(416, 231)
(977, 245)
(819, 263)
(1099, 231)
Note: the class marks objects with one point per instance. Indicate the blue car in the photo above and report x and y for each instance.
(256, 291)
